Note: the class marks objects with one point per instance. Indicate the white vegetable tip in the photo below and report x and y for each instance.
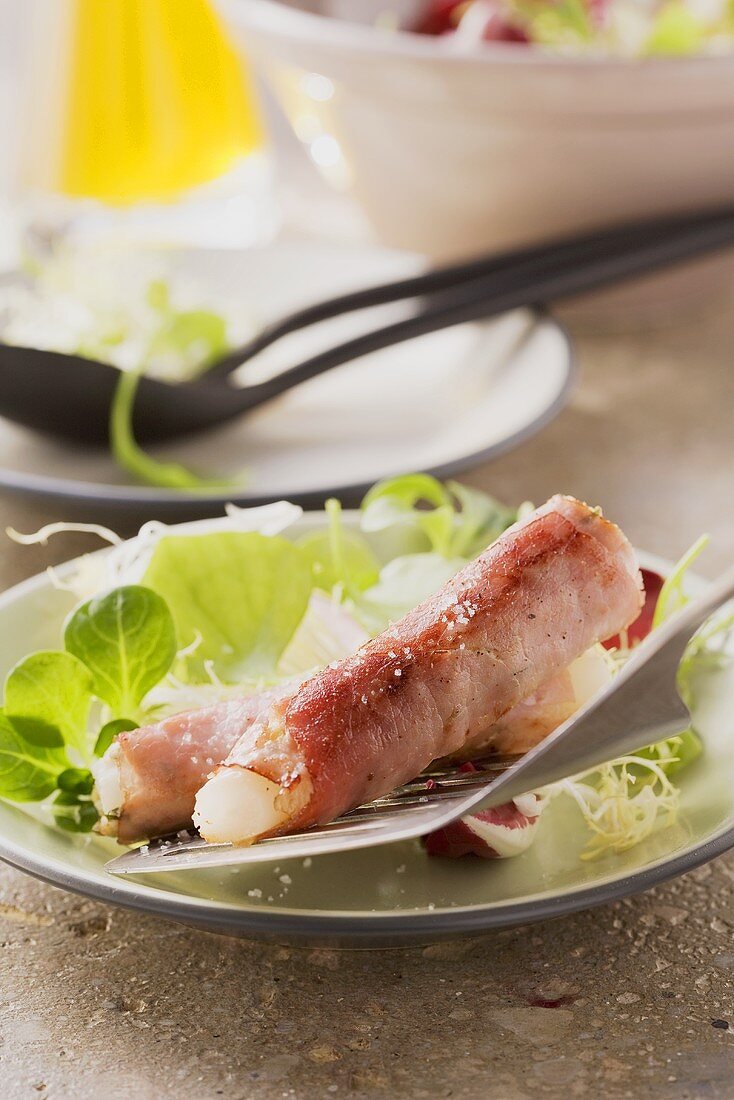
(107, 780)
(237, 806)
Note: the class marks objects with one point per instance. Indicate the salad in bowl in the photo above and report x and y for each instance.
(465, 127)
(634, 28)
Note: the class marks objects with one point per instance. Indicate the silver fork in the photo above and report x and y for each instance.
(639, 707)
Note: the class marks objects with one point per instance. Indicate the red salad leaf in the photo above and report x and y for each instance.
(642, 625)
(468, 835)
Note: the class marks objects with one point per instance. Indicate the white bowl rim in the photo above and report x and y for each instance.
(274, 18)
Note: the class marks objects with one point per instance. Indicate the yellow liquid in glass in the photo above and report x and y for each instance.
(157, 101)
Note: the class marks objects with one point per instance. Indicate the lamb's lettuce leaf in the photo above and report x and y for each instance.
(28, 771)
(74, 811)
(109, 732)
(127, 639)
(77, 781)
(54, 689)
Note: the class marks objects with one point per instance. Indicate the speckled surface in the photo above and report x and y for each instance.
(629, 1000)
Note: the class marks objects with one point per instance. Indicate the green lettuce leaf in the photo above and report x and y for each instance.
(352, 564)
(676, 31)
(397, 502)
(453, 519)
(673, 596)
(127, 640)
(404, 582)
(241, 594)
(481, 520)
(53, 688)
(28, 772)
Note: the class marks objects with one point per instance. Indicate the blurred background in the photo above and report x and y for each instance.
(180, 173)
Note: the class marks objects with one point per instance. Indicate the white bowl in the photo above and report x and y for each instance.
(451, 153)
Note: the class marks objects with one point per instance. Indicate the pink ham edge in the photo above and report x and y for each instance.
(158, 769)
(146, 783)
(545, 592)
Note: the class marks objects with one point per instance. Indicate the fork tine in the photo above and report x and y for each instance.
(434, 788)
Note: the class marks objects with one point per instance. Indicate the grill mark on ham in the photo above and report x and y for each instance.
(547, 590)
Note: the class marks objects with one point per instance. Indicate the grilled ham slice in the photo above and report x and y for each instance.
(434, 683)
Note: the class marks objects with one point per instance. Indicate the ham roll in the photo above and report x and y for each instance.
(146, 783)
(434, 684)
(147, 780)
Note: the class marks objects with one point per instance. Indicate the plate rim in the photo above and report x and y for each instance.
(342, 926)
(377, 929)
(124, 497)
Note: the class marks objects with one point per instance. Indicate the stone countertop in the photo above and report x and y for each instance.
(632, 999)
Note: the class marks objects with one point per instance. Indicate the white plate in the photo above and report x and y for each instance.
(440, 403)
(394, 893)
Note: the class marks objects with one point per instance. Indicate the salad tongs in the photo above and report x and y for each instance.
(640, 706)
(71, 396)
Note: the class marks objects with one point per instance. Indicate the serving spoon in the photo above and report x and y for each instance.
(70, 396)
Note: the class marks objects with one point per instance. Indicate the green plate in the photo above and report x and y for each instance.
(392, 894)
